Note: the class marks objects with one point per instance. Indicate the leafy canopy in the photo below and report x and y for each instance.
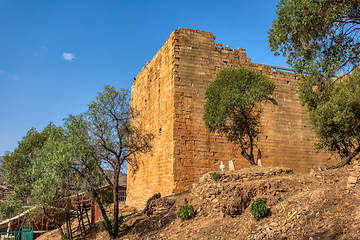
(336, 117)
(115, 140)
(232, 106)
(79, 156)
(21, 169)
(318, 37)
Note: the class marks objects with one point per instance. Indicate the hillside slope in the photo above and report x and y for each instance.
(310, 206)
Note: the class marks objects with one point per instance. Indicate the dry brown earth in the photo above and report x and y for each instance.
(319, 205)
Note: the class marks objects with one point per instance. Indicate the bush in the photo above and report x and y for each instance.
(186, 211)
(216, 176)
(155, 196)
(258, 208)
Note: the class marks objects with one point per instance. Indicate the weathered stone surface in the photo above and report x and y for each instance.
(356, 167)
(169, 94)
(231, 165)
(352, 180)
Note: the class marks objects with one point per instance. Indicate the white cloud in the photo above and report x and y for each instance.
(2, 71)
(68, 56)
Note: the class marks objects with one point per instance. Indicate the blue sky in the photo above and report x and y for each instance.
(56, 55)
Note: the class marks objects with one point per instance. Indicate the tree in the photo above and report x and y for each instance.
(318, 37)
(336, 119)
(64, 159)
(41, 169)
(59, 162)
(115, 139)
(17, 168)
(232, 106)
(320, 40)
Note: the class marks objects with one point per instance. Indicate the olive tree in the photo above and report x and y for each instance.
(18, 169)
(336, 118)
(320, 39)
(232, 106)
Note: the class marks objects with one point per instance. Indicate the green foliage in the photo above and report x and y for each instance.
(258, 208)
(108, 198)
(61, 161)
(10, 206)
(320, 40)
(336, 116)
(114, 138)
(24, 170)
(318, 37)
(186, 211)
(155, 196)
(232, 106)
(215, 176)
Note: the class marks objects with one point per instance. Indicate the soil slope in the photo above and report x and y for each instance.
(319, 205)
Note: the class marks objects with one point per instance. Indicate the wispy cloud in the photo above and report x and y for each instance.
(68, 56)
(2, 71)
(14, 77)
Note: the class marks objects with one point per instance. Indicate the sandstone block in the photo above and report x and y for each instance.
(231, 165)
(352, 180)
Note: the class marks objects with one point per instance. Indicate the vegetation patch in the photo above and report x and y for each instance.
(186, 211)
(258, 208)
(216, 176)
(155, 196)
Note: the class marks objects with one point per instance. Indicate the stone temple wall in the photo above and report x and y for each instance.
(169, 94)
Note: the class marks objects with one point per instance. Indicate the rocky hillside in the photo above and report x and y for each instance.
(320, 205)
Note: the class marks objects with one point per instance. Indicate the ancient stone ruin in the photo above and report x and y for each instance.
(169, 94)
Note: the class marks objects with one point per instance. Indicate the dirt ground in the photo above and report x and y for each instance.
(301, 206)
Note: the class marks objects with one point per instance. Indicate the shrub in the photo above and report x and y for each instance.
(258, 208)
(186, 211)
(155, 196)
(216, 176)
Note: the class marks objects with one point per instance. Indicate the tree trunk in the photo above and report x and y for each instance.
(116, 201)
(248, 157)
(259, 155)
(346, 160)
(108, 226)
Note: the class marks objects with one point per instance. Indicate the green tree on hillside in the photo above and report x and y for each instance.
(336, 118)
(115, 139)
(232, 106)
(62, 161)
(318, 37)
(41, 169)
(17, 169)
(320, 40)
